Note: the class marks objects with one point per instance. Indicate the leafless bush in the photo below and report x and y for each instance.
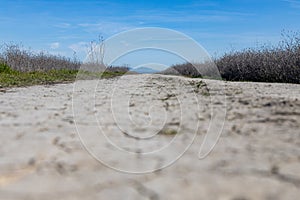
(94, 67)
(279, 63)
(117, 69)
(95, 59)
(186, 69)
(21, 59)
(96, 51)
(267, 64)
(195, 70)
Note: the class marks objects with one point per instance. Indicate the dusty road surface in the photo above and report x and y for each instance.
(102, 140)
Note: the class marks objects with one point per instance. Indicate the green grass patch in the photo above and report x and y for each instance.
(17, 79)
(13, 78)
(168, 131)
(5, 69)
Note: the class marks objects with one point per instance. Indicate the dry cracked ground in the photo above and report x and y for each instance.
(150, 137)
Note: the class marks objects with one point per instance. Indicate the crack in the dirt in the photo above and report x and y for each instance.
(279, 176)
(144, 191)
(272, 174)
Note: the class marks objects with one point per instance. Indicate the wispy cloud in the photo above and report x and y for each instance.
(63, 25)
(181, 16)
(293, 3)
(199, 4)
(106, 27)
(78, 47)
(59, 53)
(54, 45)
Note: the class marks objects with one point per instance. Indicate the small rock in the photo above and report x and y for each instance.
(267, 104)
(55, 140)
(31, 161)
(275, 169)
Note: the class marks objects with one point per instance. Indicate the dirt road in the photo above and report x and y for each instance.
(102, 140)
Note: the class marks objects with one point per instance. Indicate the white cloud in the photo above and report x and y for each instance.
(79, 47)
(63, 25)
(54, 45)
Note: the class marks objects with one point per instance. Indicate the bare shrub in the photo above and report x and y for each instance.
(279, 63)
(194, 70)
(95, 59)
(185, 69)
(267, 64)
(24, 60)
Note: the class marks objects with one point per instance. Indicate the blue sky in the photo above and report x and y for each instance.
(60, 27)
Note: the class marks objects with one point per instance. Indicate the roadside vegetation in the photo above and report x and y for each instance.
(279, 63)
(193, 70)
(22, 67)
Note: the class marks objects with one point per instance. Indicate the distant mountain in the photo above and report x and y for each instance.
(144, 70)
